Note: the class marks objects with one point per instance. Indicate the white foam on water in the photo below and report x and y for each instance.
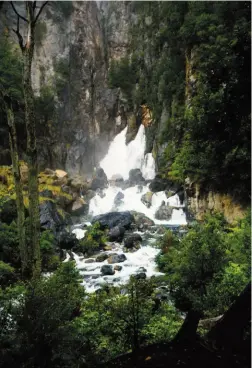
(144, 257)
(121, 158)
(80, 233)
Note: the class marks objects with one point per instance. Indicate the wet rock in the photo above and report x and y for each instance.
(140, 276)
(136, 177)
(89, 195)
(146, 199)
(50, 218)
(118, 199)
(132, 240)
(164, 212)
(116, 279)
(117, 268)
(100, 180)
(140, 219)
(116, 233)
(79, 207)
(107, 270)
(112, 219)
(102, 257)
(90, 260)
(116, 179)
(118, 258)
(141, 269)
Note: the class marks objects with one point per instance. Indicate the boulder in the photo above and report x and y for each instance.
(118, 199)
(112, 219)
(107, 270)
(141, 269)
(107, 247)
(50, 218)
(60, 174)
(90, 260)
(117, 258)
(99, 180)
(140, 276)
(79, 207)
(141, 220)
(132, 240)
(146, 199)
(136, 177)
(101, 257)
(117, 268)
(89, 195)
(164, 212)
(116, 233)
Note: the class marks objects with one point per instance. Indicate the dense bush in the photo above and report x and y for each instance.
(93, 240)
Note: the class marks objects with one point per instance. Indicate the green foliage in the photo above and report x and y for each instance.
(209, 266)
(50, 261)
(9, 250)
(10, 69)
(162, 326)
(7, 274)
(42, 321)
(93, 240)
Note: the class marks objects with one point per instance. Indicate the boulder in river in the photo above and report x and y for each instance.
(140, 276)
(116, 233)
(100, 180)
(164, 212)
(117, 268)
(102, 257)
(118, 199)
(141, 220)
(112, 219)
(117, 258)
(146, 199)
(132, 240)
(107, 270)
(136, 177)
(159, 184)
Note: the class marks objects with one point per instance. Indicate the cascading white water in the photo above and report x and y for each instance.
(121, 158)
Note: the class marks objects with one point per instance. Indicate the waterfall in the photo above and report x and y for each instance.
(121, 158)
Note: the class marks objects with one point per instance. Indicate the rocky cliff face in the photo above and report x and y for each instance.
(80, 37)
(200, 201)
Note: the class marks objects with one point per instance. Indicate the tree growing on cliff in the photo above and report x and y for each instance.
(27, 48)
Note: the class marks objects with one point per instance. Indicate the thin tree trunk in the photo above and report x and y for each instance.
(34, 222)
(18, 188)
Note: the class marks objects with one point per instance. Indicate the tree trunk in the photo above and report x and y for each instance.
(18, 188)
(229, 330)
(34, 223)
(189, 328)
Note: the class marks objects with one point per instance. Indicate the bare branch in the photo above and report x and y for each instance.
(40, 10)
(19, 16)
(34, 5)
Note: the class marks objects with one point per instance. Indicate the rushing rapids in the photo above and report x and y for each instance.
(120, 159)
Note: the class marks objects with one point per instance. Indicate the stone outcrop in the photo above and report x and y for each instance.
(199, 201)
